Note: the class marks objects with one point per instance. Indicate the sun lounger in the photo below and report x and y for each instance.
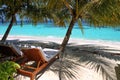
(36, 60)
(32, 61)
(9, 50)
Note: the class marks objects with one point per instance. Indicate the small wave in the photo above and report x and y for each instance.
(50, 36)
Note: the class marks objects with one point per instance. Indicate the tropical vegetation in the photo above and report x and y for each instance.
(95, 12)
(7, 70)
(98, 13)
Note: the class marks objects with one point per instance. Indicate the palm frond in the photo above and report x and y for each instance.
(80, 25)
(101, 65)
(105, 12)
(67, 69)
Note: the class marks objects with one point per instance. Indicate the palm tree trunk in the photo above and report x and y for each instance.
(8, 29)
(67, 36)
(63, 45)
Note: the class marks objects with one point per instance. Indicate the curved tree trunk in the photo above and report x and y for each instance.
(67, 36)
(63, 45)
(8, 29)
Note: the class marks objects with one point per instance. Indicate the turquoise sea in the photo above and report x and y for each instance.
(50, 30)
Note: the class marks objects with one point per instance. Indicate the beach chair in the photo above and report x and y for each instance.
(36, 60)
(9, 52)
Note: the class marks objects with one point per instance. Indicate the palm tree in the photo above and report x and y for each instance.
(16, 7)
(36, 11)
(70, 11)
(11, 9)
(95, 12)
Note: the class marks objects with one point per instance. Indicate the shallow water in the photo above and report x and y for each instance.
(50, 30)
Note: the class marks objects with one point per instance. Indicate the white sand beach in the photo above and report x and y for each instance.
(100, 52)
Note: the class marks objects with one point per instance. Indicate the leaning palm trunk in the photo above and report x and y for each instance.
(64, 43)
(67, 36)
(8, 29)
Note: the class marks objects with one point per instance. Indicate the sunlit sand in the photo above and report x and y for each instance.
(78, 47)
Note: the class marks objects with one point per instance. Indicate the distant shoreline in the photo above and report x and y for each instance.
(74, 41)
(24, 37)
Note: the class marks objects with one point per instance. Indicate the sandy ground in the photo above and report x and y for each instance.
(81, 47)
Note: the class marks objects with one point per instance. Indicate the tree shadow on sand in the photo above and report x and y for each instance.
(101, 59)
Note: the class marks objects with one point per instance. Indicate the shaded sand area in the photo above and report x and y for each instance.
(84, 59)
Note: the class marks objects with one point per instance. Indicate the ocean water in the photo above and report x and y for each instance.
(50, 30)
